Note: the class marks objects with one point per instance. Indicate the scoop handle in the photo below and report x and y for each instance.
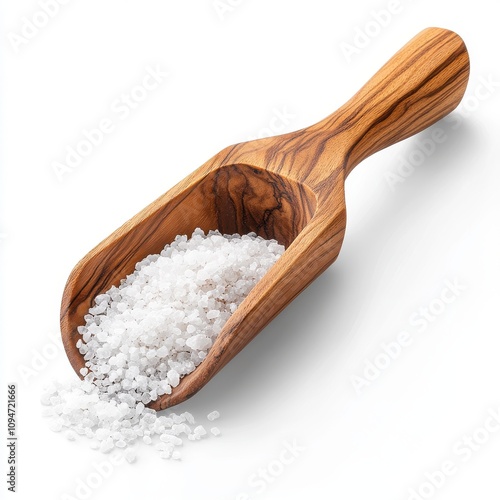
(419, 85)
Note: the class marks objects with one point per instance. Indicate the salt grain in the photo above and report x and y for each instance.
(200, 430)
(130, 456)
(168, 438)
(189, 417)
(213, 415)
(70, 435)
(142, 337)
(56, 425)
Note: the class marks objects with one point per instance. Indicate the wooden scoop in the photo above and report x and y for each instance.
(289, 187)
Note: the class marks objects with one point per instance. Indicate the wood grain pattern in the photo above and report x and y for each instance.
(289, 187)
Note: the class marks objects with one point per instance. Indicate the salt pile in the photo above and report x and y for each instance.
(142, 337)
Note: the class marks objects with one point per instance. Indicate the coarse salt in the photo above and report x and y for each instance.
(142, 337)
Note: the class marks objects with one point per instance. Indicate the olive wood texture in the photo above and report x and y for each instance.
(289, 187)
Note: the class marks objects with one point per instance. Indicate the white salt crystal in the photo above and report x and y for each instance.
(106, 446)
(213, 415)
(130, 456)
(215, 431)
(188, 416)
(102, 434)
(146, 398)
(162, 351)
(214, 313)
(173, 378)
(199, 342)
(45, 399)
(168, 438)
(200, 430)
(177, 419)
(56, 425)
(180, 428)
(70, 435)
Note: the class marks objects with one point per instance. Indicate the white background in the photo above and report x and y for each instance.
(228, 76)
